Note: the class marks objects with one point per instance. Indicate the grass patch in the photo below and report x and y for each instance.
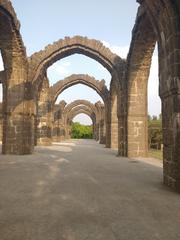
(155, 154)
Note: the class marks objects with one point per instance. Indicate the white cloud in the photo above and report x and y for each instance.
(61, 68)
(121, 51)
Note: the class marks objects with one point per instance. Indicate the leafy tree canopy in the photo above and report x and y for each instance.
(81, 131)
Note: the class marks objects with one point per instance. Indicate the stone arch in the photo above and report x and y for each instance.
(18, 111)
(86, 111)
(79, 102)
(82, 109)
(98, 86)
(40, 61)
(161, 22)
(60, 108)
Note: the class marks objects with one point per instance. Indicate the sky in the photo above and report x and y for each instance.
(111, 22)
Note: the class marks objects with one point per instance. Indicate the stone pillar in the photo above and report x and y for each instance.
(171, 139)
(122, 140)
(44, 127)
(100, 116)
(18, 105)
(62, 133)
(108, 124)
(68, 136)
(59, 122)
(94, 130)
(1, 122)
(114, 120)
(18, 124)
(137, 114)
(67, 130)
(97, 130)
(101, 132)
(44, 116)
(18, 108)
(56, 131)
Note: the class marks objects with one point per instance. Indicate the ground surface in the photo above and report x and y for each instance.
(155, 154)
(82, 191)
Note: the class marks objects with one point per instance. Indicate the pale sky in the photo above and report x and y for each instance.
(43, 22)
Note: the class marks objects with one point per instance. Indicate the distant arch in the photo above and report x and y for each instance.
(98, 86)
(81, 111)
(79, 103)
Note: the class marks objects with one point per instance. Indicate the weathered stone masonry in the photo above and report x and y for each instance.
(18, 106)
(27, 104)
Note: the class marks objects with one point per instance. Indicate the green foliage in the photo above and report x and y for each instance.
(155, 154)
(81, 131)
(155, 132)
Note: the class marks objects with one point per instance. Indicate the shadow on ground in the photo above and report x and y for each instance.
(79, 190)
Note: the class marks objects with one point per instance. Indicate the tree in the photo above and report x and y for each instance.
(155, 133)
(81, 131)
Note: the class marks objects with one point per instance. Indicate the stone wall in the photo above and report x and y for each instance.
(44, 115)
(1, 122)
(126, 126)
(114, 117)
(18, 105)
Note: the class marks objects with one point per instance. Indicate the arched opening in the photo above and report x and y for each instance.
(76, 107)
(80, 82)
(82, 127)
(99, 124)
(73, 65)
(61, 68)
(39, 62)
(79, 91)
(68, 94)
(97, 115)
(155, 146)
(92, 110)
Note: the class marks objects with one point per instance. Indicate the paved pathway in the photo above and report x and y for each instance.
(80, 190)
